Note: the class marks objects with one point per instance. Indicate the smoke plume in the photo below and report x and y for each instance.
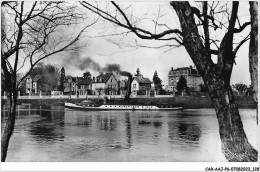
(125, 73)
(88, 63)
(112, 68)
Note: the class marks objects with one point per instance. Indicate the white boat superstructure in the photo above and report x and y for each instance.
(119, 107)
(129, 107)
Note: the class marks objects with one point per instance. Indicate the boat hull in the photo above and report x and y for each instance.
(119, 107)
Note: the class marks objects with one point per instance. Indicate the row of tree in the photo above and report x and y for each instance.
(243, 89)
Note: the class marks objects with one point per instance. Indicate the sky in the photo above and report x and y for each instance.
(102, 50)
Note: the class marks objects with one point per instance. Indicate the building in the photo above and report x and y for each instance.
(32, 85)
(84, 86)
(140, 83)
(105, 84)
(123, 86)
(70, 84)
(194, 80)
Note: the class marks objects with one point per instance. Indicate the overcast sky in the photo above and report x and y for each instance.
(103, 51)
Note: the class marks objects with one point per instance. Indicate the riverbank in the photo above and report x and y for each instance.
(187, 102)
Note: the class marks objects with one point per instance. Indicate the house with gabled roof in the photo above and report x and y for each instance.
(32, 83)
(105, 83)
(140, 83)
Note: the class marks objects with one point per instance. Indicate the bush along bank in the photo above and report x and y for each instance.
(48, 102)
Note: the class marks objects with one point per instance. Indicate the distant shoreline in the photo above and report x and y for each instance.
(187, 102)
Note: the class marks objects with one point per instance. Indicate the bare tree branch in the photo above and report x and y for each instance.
(141, 33)
(240, 44)
(241, 27)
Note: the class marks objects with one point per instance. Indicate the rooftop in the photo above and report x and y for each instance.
(190, 70)
(84, 81)
(104, 78)
(143, 80)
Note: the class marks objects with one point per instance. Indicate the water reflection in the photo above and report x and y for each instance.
(48, 128)
(105, 122)
(68, 135)
(183, 130)
(128, 130)
(84, 122)
(189, 132)
(157, 124)
(144, 123)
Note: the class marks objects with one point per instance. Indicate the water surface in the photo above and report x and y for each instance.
(54, 134)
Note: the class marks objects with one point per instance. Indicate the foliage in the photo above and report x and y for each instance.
(62, 79)
(157, 82)
(49, 77)
(87, 75)
(163, 92)
(250, 90)
(203, 88)
(240, 87)
(181, 84)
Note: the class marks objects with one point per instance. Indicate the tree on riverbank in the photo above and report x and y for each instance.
(49, 76)
(240, 87)
(197, 26)
(62, 79)
(157, 82)
(87, 75)
(182, 85)
(31, 32)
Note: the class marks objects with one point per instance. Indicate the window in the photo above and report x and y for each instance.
(111, 80)
(134, 86)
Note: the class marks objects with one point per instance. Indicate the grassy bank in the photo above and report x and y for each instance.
(190, 102)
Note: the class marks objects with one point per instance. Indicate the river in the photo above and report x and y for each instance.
(54, 134)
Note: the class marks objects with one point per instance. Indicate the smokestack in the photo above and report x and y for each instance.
(190, 69)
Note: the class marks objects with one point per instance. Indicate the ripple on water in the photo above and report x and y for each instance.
(189, 135)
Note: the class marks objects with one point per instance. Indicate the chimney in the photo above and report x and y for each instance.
(171, 68)
(190, 69)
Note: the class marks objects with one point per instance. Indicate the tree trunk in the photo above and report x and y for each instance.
(9, 126)
(235, 145)
(128, 91)
(253, 50)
